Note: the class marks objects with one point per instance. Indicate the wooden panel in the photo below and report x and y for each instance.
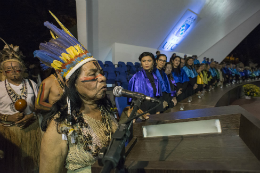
(249, 132)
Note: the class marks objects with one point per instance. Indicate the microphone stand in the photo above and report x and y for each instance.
(114, 156)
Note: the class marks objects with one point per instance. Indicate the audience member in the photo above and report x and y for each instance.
(180, 77)
(163, 80)
(192, 74)
(146, 82)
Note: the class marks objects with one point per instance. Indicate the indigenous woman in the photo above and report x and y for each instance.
(147, 83)
(164, 81)
(168, 72)
(81, 122)
(180, 77)
(192, 74)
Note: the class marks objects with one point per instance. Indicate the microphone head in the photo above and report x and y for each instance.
(117, 91)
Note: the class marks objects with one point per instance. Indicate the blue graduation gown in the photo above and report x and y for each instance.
(181, 78)
(164, 82)
(190, 72)
(141, 84)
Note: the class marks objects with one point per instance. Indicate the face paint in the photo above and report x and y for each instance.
(90, 79)
(97, 65)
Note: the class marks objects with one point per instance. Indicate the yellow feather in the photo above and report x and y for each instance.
(56, 64)
(61, 25)
(72, 51)
(65, 57)
(52, 35)
(79, 49)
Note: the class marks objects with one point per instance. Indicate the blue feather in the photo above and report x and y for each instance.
(63, 42)
(51, 55)
(53, 48)
(43, 66)
(54, 41)
(61, 33)
(42, 56)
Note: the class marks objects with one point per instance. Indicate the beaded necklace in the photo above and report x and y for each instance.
(59, 81)
(85, 138)
(13, 95)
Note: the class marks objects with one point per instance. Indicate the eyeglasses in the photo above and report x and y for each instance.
(162, 60)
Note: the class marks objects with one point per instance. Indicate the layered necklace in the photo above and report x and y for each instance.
(86, 139)
(13, 95)
(59, 81)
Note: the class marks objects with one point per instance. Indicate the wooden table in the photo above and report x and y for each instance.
(215, 98)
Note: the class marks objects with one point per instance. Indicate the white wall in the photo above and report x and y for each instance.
(224, 46)
(131, 53)
(146, 23)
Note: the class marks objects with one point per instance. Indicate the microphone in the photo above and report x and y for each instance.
(119, 91)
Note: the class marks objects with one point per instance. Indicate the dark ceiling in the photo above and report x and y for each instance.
(22, 22)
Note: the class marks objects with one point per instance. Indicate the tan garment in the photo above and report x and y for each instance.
(77, 157)
(21, 148)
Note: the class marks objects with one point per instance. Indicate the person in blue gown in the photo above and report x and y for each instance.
(196, 61)
(180, 77)
(192, 74)
(163, 80)
(168, 72)
(146, 82)
(204, 61)
(242, 74)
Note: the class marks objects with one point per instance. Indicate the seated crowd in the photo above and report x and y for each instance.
(173, 81)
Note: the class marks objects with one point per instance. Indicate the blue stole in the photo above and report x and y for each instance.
(224, 70)
(204, 62)
(249, 72)
(232, 71)
(181, 78)
(242, 74)
(164, 82)
(213, 72)
(141, 84)
(190, 72)
(257, 72)
(196, 61)
(246, 72)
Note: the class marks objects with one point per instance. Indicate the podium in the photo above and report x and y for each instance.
(235, 149)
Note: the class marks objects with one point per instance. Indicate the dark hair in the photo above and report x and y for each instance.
(75, 101)
(157, 51)
(179, 66)
(170, 75)
(160, 56)
(157, 58)
(146, 54)
(186, 62)
(197, 66)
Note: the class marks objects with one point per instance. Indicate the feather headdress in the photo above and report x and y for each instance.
(11, 53)
(63, 52)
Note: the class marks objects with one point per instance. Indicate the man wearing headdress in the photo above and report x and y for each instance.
(51, 90)
(18, 128)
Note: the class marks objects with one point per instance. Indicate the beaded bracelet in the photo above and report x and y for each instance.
(6, 116)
